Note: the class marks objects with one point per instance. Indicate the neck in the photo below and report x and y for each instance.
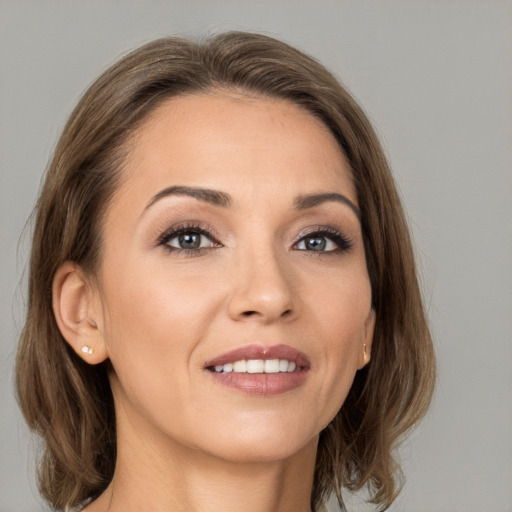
(157, 475)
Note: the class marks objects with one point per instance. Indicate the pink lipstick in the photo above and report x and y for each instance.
(260, 370)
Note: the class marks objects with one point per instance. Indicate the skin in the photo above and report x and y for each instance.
(186, 442)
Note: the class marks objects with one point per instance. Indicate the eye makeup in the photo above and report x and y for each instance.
(342, 242)
(194, 239)
(191, 234)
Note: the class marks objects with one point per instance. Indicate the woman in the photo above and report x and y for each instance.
(223, 309)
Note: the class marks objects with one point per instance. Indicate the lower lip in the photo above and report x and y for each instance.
(265, 384)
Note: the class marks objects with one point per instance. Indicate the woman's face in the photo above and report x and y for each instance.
(233, 237)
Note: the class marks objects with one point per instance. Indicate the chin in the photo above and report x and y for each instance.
(259, 442)
(250, 453)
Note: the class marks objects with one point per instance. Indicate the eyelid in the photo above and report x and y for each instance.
(183, 227)
(344, 242)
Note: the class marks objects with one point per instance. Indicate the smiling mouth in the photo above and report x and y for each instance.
(257, 366)
(260, 370)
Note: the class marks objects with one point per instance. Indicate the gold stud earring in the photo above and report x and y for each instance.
(86, 349)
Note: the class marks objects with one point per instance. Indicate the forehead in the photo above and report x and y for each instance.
(235, 143)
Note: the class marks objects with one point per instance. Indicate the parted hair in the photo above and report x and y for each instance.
(69, 403)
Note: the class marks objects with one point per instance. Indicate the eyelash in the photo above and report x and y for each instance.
(343, 242)
(186, 228)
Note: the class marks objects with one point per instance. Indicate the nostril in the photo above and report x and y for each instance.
(288, 312)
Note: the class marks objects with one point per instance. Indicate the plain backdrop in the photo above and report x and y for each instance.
(435, 78)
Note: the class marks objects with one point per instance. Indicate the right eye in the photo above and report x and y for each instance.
(188, 239)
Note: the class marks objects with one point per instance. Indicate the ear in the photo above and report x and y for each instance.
(77, 312)
(365, 348)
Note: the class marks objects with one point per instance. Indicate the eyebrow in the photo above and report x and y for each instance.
(311, 200)
(214, 197)
(218, 198)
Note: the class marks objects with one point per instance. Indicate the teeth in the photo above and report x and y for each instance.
(240, 366)
(257, 366)
(272, 365)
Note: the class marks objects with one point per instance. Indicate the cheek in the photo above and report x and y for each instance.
(340, 318)
(156, 318)
(341, 308)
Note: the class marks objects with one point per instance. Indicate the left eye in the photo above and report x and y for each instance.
(316, 243)
(189, 240)
(324, 240)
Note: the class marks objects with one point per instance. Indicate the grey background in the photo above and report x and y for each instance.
(435, 78)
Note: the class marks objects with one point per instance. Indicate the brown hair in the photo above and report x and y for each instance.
(69, 403)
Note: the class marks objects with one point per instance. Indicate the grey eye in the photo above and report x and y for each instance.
(316, 243)
(189, 240)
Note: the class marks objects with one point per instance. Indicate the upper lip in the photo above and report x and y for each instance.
(261, 352)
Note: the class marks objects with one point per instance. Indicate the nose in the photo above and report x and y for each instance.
(262, 289)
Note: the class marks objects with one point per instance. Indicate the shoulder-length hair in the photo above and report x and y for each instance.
(69, 403)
